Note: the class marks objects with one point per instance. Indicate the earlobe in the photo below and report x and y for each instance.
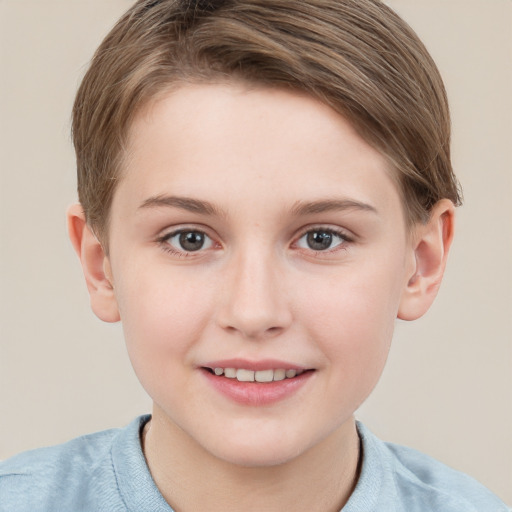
(95, 265)
(431, 244)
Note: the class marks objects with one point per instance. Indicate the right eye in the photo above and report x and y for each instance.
(186, 241)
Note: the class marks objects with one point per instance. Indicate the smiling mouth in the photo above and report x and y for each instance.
(261, 376)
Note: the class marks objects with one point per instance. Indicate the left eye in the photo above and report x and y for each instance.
(320, 240)
(189, 241)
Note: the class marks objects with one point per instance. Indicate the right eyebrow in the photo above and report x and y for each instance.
(183, 203)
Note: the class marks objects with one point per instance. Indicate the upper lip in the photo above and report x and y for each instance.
(262, 364)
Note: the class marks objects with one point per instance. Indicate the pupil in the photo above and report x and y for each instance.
(319, 240)
(191, 241)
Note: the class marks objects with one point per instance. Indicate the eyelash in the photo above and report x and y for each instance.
(164, 241)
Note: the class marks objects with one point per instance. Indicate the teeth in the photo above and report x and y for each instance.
(279, 374)
(230, 373)
(243, 375)
(264, 376)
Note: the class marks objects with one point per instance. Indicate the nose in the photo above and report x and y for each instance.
(253, 302)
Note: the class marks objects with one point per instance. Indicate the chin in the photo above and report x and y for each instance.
(254, 457)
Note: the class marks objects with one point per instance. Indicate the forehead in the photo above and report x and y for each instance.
(244, 141)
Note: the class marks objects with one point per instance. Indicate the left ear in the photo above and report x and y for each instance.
(431, 243)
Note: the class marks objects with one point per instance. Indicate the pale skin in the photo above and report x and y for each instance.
(301, 254)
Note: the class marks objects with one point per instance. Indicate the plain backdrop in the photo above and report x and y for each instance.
(447, 389)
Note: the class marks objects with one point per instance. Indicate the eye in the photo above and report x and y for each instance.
(321, 240)
(188, 240)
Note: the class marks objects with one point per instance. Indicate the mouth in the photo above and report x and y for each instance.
(260, 383)
(260, 376)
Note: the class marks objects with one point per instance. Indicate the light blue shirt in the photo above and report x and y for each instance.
(107, 472)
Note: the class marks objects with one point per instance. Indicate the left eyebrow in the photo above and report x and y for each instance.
(328, 205)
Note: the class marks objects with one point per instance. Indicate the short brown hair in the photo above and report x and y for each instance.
(357, 56)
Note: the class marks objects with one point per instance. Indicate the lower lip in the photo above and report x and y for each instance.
(256, 393)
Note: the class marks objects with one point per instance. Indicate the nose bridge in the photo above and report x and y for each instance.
(255, 302)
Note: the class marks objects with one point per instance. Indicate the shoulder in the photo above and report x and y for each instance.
(420, 483)
(60, 477)
(77, 454)
(430, 478)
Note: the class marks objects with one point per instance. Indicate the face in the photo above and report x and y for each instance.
(258, 253)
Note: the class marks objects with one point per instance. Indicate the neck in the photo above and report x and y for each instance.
(321, 479)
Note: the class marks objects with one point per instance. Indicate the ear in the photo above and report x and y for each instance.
(430, 244)
(95, 264)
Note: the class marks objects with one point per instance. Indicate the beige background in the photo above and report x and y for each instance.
(448, 387)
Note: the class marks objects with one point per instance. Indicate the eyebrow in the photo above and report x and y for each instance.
(309, 208)
(184, 203)
(299, 208)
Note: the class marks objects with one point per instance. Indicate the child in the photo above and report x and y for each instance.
(264, 187)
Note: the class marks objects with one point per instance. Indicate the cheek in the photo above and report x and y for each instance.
(352, 301)
(163, 314)
(351, 316)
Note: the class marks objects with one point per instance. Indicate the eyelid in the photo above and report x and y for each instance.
(336, 230)
(170, 231)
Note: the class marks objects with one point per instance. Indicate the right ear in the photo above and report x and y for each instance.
(95, 264)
